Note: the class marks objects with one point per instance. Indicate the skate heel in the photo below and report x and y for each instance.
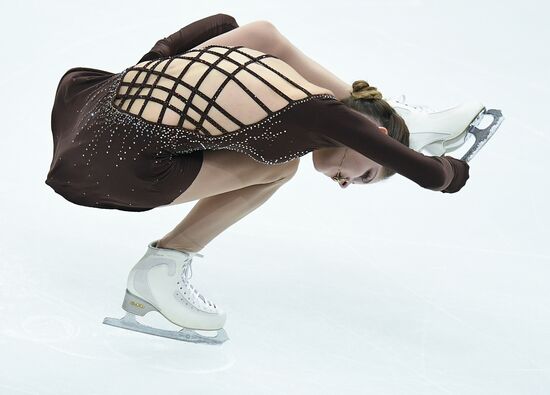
(136, 305)
(436, 148)
(443, 147)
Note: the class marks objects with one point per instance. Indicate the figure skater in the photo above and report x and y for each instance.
(222, 114)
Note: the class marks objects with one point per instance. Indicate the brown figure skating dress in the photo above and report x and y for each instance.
(134, 140)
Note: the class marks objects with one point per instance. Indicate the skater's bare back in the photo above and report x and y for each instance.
(232, 97)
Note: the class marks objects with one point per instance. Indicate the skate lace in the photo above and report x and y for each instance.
(420, 107)
(186, 275)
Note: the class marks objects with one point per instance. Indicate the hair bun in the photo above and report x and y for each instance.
(362, 90)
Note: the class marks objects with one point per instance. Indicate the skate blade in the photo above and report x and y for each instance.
(444, 147)
(483, 135)
(188, 335)
(457, 142)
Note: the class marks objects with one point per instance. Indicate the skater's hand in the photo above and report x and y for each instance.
(461, 174)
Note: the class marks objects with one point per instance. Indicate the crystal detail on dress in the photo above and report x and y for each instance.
(163, 140)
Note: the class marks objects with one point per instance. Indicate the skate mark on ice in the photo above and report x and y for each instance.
(64, 334)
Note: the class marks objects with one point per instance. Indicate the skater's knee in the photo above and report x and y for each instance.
(292, 167)
(267, 37)
(283, 171)
(260, 35)
(247, 170)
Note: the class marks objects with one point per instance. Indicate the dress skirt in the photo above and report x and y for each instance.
(105, 158)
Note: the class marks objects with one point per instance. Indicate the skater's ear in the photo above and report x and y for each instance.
(383, 129)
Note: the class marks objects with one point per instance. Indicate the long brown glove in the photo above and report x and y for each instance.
(191, 35)
(461, 174)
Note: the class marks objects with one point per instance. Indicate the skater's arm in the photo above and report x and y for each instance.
(263, 36)
(333, 124)
(191, 35)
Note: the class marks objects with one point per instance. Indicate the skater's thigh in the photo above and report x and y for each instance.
(226, 170)
(259, 35)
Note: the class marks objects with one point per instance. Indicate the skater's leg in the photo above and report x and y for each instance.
(263, 36)
(230, 185)
(212, 215)
(225, 170)
(311, 70)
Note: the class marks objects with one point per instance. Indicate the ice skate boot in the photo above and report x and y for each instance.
(160, 282)
(440, 132)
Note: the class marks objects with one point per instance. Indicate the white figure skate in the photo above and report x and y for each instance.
(160, 282)
(440, 132)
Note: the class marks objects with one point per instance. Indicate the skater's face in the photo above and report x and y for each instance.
(347, 166)
(368, 173)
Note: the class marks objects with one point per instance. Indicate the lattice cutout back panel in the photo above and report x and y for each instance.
(211, 90)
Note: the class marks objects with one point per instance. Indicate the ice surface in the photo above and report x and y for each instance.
(382, 289)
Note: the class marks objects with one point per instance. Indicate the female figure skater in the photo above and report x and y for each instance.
(218, 113)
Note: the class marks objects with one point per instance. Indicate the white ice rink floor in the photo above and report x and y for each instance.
(387, 289)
